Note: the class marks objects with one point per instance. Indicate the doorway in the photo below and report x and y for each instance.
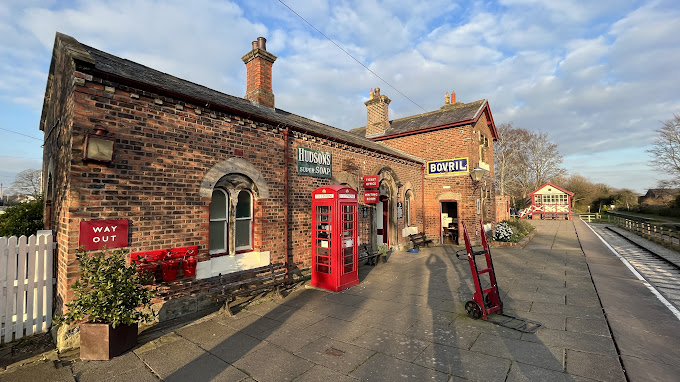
(449, 222)
(382, 219)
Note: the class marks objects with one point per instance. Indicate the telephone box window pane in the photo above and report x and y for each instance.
(349, 217)
(323, 209)
(323, 235)
(217, 235)
(218, 205)
(242, 235)
(323, 218)
(349, 243)
(322, 251)
(323, 243)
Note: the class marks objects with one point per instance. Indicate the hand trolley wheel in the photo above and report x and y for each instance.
(473, 309)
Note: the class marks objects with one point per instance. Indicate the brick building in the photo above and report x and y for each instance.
(184, 165)
(453, 141)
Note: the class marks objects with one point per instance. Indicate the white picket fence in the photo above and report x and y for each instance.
(25, 285)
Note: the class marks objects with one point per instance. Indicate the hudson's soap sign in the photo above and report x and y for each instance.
(315, 163)
(97, 234)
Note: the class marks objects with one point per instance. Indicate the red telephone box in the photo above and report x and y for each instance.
(334, 238)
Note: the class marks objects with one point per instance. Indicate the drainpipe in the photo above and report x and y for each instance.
(286, 162)
(422, 194)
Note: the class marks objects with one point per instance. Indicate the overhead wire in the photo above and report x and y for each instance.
(354, 58)
(16, 132)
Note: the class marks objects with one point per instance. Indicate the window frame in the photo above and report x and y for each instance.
(225, 222)
(250, 218)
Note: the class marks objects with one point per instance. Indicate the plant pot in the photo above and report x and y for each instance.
(144, 269)
(100, 342)
(169, 269)
(189, 266)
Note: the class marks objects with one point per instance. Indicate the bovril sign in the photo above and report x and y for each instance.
(448, 166)
(98, 234)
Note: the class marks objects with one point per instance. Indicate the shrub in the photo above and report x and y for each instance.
(22, 219)
(503, 232)
(109, 291)
(518, 227)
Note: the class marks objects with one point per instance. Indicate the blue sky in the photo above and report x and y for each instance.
(598, 77)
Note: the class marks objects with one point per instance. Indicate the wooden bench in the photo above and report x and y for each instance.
(366, 254)
(273, 278)
(419, 239)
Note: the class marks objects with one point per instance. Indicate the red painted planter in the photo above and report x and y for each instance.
(144, 269)
(189, 266)
(169, 269)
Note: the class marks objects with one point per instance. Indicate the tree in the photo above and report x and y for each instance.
(666, 151)
(22, 219)
(524, 160)
(28, 182)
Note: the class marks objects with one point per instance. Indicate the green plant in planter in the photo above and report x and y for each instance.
(109, 291)
(382, 250)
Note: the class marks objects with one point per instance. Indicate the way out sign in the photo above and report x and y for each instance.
(97, 234)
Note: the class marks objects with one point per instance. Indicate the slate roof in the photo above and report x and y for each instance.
(449, 115)
(135, 72)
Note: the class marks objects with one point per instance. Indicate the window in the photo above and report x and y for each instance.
(231, 215)
(219, 221)
(243, 231)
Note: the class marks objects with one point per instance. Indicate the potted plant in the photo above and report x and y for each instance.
(382, 251)
(111, 297)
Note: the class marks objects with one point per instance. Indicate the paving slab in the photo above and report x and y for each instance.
(381, 367)
(271, 363)
(126, 367)
(391, 343)
(336, 355)
(38, 371)
(471, 365)
(531, 353)
(595, 366)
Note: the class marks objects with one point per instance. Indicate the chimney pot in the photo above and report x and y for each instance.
(262, 43)
(254, 45)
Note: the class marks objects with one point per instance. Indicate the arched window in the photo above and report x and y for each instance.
(219, 221)
(244, 222)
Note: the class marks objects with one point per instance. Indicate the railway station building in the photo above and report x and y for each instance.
(143, 160)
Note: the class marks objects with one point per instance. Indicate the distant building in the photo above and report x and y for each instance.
(549, 202)
(659, 196)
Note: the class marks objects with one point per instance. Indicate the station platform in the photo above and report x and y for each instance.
(406, 321)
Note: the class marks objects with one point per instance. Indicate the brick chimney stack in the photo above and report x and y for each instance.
(259, 74)
(377, 107)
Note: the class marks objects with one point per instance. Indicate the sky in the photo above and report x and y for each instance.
(599, 77)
